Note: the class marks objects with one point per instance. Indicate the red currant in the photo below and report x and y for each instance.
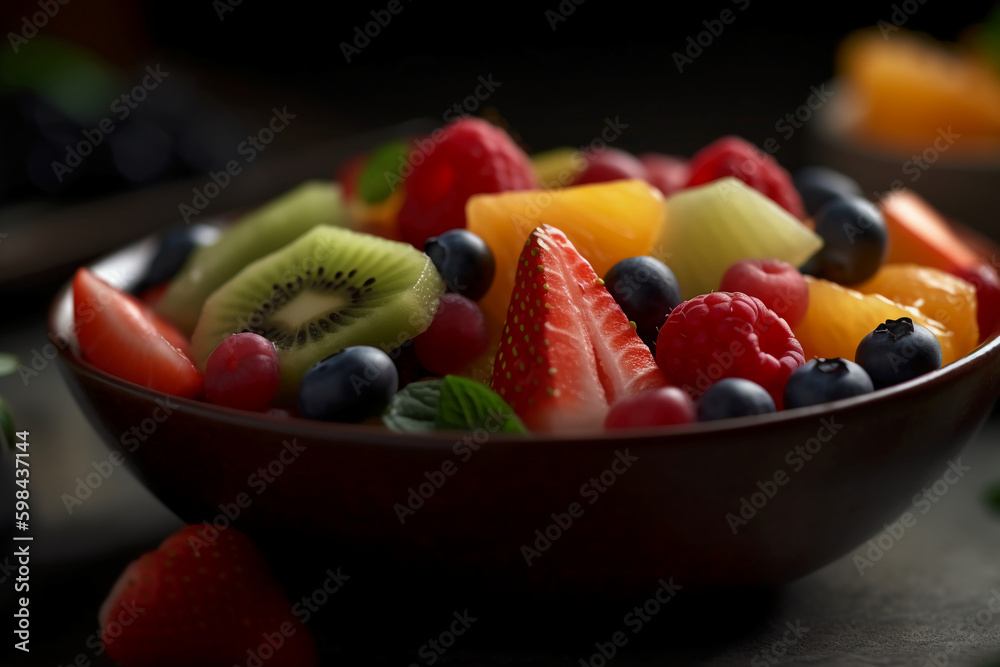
(657, 407)
(242, 372)
(455, 338)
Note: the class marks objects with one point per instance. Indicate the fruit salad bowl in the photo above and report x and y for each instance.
(744, 502)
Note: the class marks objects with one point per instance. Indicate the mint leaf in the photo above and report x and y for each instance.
(7, 423)
(414, 408)
(453, 403)
(467, 405)
(8, 364)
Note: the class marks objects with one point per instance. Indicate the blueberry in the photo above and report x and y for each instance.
(734, 397)
(647, 291)
(854, 241)
(822, 380)
(350, 386)
(464, 261)
(897, 351)
(819, 185)
(175, 248)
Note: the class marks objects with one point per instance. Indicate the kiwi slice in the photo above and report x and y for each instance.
(260, 232)
(327, 290)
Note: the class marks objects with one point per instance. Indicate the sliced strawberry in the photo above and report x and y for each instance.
(204, 597)
(121, 335)
(567, 350)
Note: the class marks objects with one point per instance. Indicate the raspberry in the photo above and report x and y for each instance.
(778, 284)
(470, 156)
(734, 156)
(727, 334)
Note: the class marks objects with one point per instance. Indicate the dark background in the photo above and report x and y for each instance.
(606, 60)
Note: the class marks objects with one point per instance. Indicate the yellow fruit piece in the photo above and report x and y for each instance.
(942, 297)
(838, 318)
(558, 167)
(911, 92)
(607, 222)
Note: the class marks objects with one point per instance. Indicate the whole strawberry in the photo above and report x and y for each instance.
(467, 157)
(203, 598)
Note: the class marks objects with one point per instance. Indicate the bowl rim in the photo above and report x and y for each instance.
(662, 435)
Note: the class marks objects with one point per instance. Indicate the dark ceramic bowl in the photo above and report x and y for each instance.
(746, 502)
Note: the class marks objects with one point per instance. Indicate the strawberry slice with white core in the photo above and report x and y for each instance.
(567, 351)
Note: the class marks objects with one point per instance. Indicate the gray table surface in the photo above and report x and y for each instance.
(933, 598)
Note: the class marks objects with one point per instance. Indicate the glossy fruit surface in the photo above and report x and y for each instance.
(735, 156)
(121, 335)
(605, 222)
(469, 156)
(854, 241)
(647, 291)
(819, 185)
(456, 337)
(350, 386)
(656, 407)
(709, 228)
(567, 352)
(779, 285)
(727, 334)
(243, 372)
(939, 295)
(464, 261)
(822, 380)
(734, 397)
(839, 317)
(897, 351)
(610, 164)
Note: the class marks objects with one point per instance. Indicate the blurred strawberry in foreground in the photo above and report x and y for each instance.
(203, 598)
(468, 157)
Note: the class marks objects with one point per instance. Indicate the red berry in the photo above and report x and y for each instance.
(734, 156)
(204, 597)
(567, 350)
(778, 284)
(986, 280)
(243, 372)
(727, 334)
(121, 335)
(611, 164)
(658, 407)
(470, 156)
(666, 173)
(456, 336)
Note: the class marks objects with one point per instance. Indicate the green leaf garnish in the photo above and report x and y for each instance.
(452, 403)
